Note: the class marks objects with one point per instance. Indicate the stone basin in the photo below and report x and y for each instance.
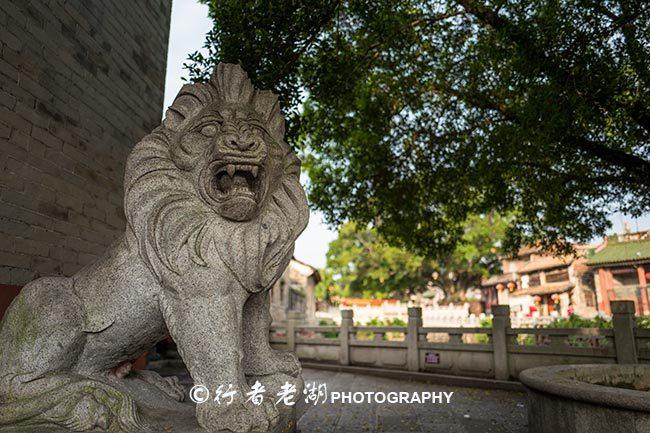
(588, 398)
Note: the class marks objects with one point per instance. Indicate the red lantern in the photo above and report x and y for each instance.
(537, 299)
(511, 286)
(500, 287)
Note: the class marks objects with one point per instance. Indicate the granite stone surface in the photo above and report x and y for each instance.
(470, 410)
(213, 205)
(589, 397)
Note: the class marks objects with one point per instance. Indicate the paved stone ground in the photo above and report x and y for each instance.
(471, 410)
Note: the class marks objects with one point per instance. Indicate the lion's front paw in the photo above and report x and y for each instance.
(285, 362)
(169, 385)
(275, 362)
(85, 414)
(172, 387)
(240, 417)
(95, 405)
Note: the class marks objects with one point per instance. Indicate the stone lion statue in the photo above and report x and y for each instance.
(213, 205)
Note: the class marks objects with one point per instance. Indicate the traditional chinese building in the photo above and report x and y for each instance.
(537, 284)
(295, 291)
(622, 268)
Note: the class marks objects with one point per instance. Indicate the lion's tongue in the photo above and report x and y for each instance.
(225, 182)
(229, 184)
(239, 181)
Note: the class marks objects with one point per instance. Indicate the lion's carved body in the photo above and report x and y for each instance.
(214, 205)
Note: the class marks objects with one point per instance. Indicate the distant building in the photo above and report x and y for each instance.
(622, 268)
(536, 284)
(295, 291)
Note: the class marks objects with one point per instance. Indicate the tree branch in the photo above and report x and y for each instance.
(638, 167)
(635, 165)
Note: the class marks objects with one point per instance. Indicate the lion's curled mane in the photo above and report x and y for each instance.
(168, 218)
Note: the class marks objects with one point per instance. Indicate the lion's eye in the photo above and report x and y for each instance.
(209, 130)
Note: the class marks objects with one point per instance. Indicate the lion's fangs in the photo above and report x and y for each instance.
(237, 180)
(232, 168)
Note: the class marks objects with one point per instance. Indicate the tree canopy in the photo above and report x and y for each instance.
(415, 115)
(361, 263)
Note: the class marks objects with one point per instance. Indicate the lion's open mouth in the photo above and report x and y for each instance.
(234, 187)
(237, 180)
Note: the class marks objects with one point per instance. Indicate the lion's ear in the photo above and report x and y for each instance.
(267, 104)
(190, 99)
(292, 165)
(172, 120)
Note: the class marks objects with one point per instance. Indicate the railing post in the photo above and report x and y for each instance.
(624, 325)
(347, 322)
(293, 318)
(500, 325)
(414, 324)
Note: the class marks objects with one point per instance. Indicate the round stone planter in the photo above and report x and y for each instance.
(588, 398)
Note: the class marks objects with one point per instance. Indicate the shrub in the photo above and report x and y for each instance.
(328, 322)
(575, 321)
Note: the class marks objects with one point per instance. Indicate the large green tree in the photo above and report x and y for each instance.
(415, 115)
(361, 263)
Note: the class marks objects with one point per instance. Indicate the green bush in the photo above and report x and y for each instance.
(643, 322)
(486, 322)
(369, 335)
(396, 322)
(328, 322)
(575, 321)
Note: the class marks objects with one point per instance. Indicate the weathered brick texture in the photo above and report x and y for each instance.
(80, 83)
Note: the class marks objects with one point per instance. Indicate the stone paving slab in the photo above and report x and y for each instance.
(470, 411)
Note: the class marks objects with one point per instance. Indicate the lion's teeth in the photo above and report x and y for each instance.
(231, 170)
(254, 170)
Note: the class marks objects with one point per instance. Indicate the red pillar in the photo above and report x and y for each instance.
(604, 276)
(643, 286)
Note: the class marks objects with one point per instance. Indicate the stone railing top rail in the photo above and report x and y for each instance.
(642, 333)
(444, 330)
(378, 328)
(328, 328)
(561, 331)
(596, 332)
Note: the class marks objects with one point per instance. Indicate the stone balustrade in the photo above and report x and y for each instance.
(500, 352)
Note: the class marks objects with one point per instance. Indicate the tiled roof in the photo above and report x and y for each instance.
(546, 262)
(495, 279)
(620, 252)
(546, 289)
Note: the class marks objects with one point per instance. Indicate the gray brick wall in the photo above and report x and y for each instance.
(80, 83)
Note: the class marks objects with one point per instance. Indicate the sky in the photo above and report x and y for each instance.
(189, 24)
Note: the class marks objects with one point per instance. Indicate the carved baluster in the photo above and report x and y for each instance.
(455, 338)
(559, 341)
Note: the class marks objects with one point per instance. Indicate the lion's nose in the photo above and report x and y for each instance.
(241, 144)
